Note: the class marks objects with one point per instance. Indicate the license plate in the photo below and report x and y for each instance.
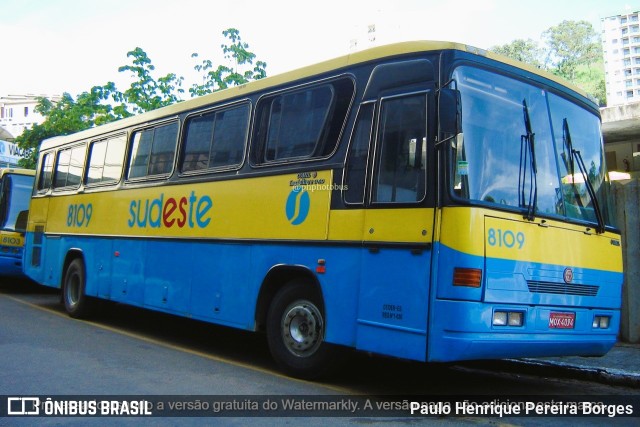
(562, 320)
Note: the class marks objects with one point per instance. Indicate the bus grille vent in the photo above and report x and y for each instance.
(562, 288)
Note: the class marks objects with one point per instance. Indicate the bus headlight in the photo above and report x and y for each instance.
(514, 318)
(500, 318)
(601, 322)
(508, 318)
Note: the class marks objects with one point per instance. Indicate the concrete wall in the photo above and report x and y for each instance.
(627, 199)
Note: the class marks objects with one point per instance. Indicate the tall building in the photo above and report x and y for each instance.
(621, 46)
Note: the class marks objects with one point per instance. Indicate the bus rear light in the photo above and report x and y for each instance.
(470, 277)
(508, 318)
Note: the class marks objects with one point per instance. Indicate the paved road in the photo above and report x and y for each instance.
(128, 351)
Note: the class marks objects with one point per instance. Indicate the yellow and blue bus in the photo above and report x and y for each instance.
(15, 195)
(422, 200)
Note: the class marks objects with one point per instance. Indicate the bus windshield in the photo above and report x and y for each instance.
(521, 146)
(14, 199)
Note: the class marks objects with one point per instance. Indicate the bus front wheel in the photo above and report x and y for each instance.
(76, 303)
(295, 332)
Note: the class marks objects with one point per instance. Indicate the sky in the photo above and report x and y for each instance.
(54, 46)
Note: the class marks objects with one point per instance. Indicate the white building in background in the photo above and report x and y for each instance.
(621, 117)
(17, 113)
(10, 154)
(621, 46)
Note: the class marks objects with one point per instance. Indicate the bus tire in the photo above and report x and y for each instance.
(76, 303)
(295, 332)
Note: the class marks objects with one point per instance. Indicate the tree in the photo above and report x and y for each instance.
(572, 50)
(68, 116)
(223, 76)
(570, 45)
(145, 93)
(103, 104)
(526, 51)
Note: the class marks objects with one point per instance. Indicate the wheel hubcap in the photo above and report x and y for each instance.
(302, 328)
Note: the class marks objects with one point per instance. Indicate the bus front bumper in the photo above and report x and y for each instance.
(465, 330)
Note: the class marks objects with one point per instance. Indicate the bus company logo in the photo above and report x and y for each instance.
(298, 205)
(567, 275)
(191, 212)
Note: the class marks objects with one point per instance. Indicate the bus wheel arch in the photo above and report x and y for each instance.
(278, 277)
(76, 303)
(295, 324)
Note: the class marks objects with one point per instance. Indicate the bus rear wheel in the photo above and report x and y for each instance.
(76, 303)
(295, 332)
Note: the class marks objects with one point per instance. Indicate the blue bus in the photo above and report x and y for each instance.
(423, 200)
(15, 195)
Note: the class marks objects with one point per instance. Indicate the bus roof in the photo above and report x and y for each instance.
(354, 58)
(16, 171)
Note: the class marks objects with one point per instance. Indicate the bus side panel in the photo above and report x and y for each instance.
(393, 298)
(35, 249)
(392, 317)
(219, 282)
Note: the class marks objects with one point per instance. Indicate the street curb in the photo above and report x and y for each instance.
(548, 368)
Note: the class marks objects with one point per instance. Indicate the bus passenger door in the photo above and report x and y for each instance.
(398, 230)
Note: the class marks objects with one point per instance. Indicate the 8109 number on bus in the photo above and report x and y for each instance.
(79, 215)
(505, 238)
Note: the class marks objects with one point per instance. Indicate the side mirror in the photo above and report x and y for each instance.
(449, 112)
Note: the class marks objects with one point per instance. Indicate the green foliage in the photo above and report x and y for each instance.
(223, 76)
(68, 116)
(590, 78)
(572, 50)
(570, 45)
(103, 104)
(526, 51)
(145, 93)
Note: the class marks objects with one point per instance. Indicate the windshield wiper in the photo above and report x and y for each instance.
(575, 155)
(528, 161)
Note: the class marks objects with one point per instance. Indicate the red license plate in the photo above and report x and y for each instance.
(562, 320)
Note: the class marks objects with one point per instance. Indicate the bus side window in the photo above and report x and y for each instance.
(105, 160)
(69, 167)
(356, 170)
(46, 172)
(296, 124)
(216, 139)
(304, 123)
(401, 162)
(153, 151)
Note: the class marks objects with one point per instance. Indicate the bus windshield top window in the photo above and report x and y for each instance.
(487, 155)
